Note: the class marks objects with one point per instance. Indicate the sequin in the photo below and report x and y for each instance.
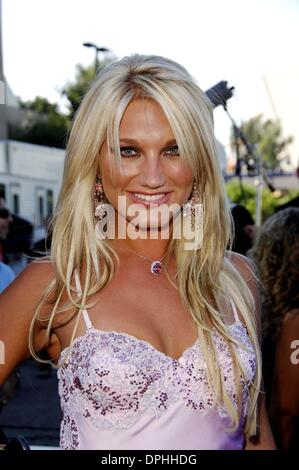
(111, 378)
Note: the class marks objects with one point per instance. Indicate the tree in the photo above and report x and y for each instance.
(44, 125)
(39, 105)
(74, 91)
(268, 138)
(245, 195)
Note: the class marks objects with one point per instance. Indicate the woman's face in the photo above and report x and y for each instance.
(152, 172)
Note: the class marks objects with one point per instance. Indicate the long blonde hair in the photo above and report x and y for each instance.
(205, 276)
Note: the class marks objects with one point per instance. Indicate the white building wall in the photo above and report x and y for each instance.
(2, 158)
(36, 161)
(31, 171)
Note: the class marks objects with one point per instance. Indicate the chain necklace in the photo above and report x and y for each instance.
(156, 265)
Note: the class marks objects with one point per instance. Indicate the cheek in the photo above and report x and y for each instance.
(183, 178)
(115, 185)
(179, 171)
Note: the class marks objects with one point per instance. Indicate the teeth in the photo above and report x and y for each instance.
(144, 197)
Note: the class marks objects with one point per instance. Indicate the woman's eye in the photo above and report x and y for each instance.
(127, 152)
(173, 151)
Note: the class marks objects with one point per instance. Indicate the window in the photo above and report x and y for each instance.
(15, 200)
(41, 209)
(40, 206)
(16, 204)
(2, 191)
(50, 198)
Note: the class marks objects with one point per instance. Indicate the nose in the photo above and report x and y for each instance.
(151, 174)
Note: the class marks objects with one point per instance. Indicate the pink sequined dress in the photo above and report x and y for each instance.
(119, 392)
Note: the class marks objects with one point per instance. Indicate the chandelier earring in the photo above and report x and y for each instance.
(99, 200)
(191, 208)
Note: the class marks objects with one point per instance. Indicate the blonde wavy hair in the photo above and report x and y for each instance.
(205, 277)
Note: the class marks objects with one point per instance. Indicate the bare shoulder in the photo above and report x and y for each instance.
(247, 268)
(29, 284)
(17, 306)
(40, 271)
(244, 265)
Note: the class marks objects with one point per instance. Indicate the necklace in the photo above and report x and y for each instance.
(156, 265)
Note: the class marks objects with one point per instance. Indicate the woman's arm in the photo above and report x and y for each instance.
(264, 439)
(284, 404)
(17, 306)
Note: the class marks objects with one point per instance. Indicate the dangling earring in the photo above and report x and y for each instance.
(99, 201)
(191, 207)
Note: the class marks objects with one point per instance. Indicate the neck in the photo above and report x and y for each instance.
(145, 244)
(153, 249)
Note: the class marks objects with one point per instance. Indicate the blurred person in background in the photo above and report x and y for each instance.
(6, 277)
(18, 242)
(5, 221)
(245, 229)
(6, 273)
(276, 254)
(15, 239)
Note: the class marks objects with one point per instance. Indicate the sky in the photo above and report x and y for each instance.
(252, 44)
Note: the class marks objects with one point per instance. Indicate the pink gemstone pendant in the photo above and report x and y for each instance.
(156, 267)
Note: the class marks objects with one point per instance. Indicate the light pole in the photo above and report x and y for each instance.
(218, 95)
(97, 50)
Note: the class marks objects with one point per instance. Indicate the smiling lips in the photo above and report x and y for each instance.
(150, 199)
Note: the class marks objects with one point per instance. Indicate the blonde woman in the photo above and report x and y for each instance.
(156, 339)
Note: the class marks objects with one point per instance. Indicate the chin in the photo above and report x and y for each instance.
(144, 227)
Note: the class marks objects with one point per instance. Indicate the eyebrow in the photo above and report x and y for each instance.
(136, 142)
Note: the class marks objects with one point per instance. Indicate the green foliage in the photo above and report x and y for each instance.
(245, 195)
(74, 91)
(40, 105)
(45, 125)
(268, 138)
